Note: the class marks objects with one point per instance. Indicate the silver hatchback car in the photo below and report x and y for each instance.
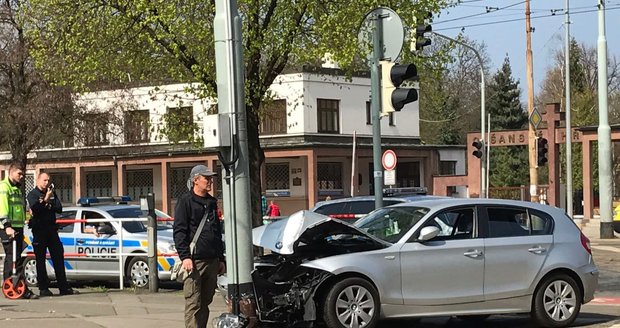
(465, 257)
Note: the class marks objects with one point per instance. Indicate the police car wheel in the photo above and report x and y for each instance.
(30, 271)
(138, 272)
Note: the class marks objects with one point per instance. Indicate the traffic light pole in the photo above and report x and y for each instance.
(483, 114)
(375, 106)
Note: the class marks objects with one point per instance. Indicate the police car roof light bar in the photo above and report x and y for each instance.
(87, 201)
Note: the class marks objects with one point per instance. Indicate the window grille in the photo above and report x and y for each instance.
(136, 126)
(178, 181)
(99, 184)
(219, 182)
(329, 176)
(328, 115)
(447, 167)
(139, 183)
(277, 176)
(28, 183)
(274, 119)
(408, 174)
(63, 184)
(97, 127)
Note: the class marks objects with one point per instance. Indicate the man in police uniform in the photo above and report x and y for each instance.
(44, 205)
(12, 219)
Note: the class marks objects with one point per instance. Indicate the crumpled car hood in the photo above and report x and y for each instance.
(284, 235)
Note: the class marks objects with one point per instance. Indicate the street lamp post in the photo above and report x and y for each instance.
(483, 161)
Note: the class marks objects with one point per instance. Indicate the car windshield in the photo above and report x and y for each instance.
(390, 224)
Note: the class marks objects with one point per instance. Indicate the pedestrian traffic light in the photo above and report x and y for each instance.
(478, 148)
(419, 41)
(393, 97)
(541, 151)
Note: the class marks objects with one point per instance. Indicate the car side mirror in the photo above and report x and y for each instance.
(428, 233)
(105, 229)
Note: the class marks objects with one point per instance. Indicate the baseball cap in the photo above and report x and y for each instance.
(201, 170)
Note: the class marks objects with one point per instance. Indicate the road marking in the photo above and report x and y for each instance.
(607, 248)
(606, 301)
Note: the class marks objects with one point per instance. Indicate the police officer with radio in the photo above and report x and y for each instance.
(44, 205)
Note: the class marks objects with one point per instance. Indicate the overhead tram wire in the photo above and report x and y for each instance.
(478, 14)
(520, 19)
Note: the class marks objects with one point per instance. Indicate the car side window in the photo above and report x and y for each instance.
(542, 224)
(453, 224)
(91, 227)
(66, 227)
(362, 207)
(328, 209)
(508, 222)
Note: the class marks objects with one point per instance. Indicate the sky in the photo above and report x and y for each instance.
(504, 30)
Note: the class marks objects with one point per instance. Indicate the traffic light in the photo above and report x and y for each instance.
(478, 145)
(419, 41)
(393, 97)
(541, 151)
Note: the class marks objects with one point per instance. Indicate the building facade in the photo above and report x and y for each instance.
(307, 131)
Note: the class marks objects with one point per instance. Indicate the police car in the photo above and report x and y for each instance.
(90, 247)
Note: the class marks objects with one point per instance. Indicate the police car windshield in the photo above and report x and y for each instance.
(130, 212)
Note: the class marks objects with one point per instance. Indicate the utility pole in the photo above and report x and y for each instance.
(569, 132)
(530, 107)
(375, 108)
(236, 187)
(604, 132)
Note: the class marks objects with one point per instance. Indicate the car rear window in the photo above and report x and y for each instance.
(335, 208)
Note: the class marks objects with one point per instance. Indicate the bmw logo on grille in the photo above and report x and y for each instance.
(279, 245)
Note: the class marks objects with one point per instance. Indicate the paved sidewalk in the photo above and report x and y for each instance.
(92, 308)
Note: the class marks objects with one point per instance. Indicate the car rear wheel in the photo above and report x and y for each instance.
(138, 272)
(557, 301)
(30, 271)
(351, 302)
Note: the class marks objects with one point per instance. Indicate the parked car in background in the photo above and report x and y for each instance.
(487, 257)
(90, 247)
(354, 208)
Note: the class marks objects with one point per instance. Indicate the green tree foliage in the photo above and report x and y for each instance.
(34, 113)
(503, 103)
(83, 42)
(509, 166)
(448, 94)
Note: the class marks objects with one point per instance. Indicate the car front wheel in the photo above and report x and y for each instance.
(30, 271)
(138, 272)
(557, 301)
(351, 302)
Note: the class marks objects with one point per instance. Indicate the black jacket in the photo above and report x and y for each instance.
(190, 209)
(43, 213)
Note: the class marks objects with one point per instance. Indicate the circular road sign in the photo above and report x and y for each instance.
(389, 160)
(392, 33)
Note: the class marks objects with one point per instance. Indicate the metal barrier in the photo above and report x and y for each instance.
(121, 256)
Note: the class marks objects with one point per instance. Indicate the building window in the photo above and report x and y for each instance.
(369, 115)
(277, 177)
(179, 124)
(329, 176)
(447, 168)
(136, 126)
(97, 127)
(408, 174)
(274, 118)
(63, 185)
(328, 115)
(99, 184)
(139, 183)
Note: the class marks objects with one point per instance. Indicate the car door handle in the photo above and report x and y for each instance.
(390, 257)
(473, 253)
(80, 241)
(537, 250)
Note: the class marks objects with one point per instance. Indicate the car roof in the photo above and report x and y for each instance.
(442, 202)
(372, 198)
(105, 208)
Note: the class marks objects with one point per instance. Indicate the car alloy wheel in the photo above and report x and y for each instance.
(557, 301)
(30, 271)
(139, 272)
(352, 302)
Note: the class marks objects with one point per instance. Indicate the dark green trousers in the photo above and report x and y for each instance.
(198, 290)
